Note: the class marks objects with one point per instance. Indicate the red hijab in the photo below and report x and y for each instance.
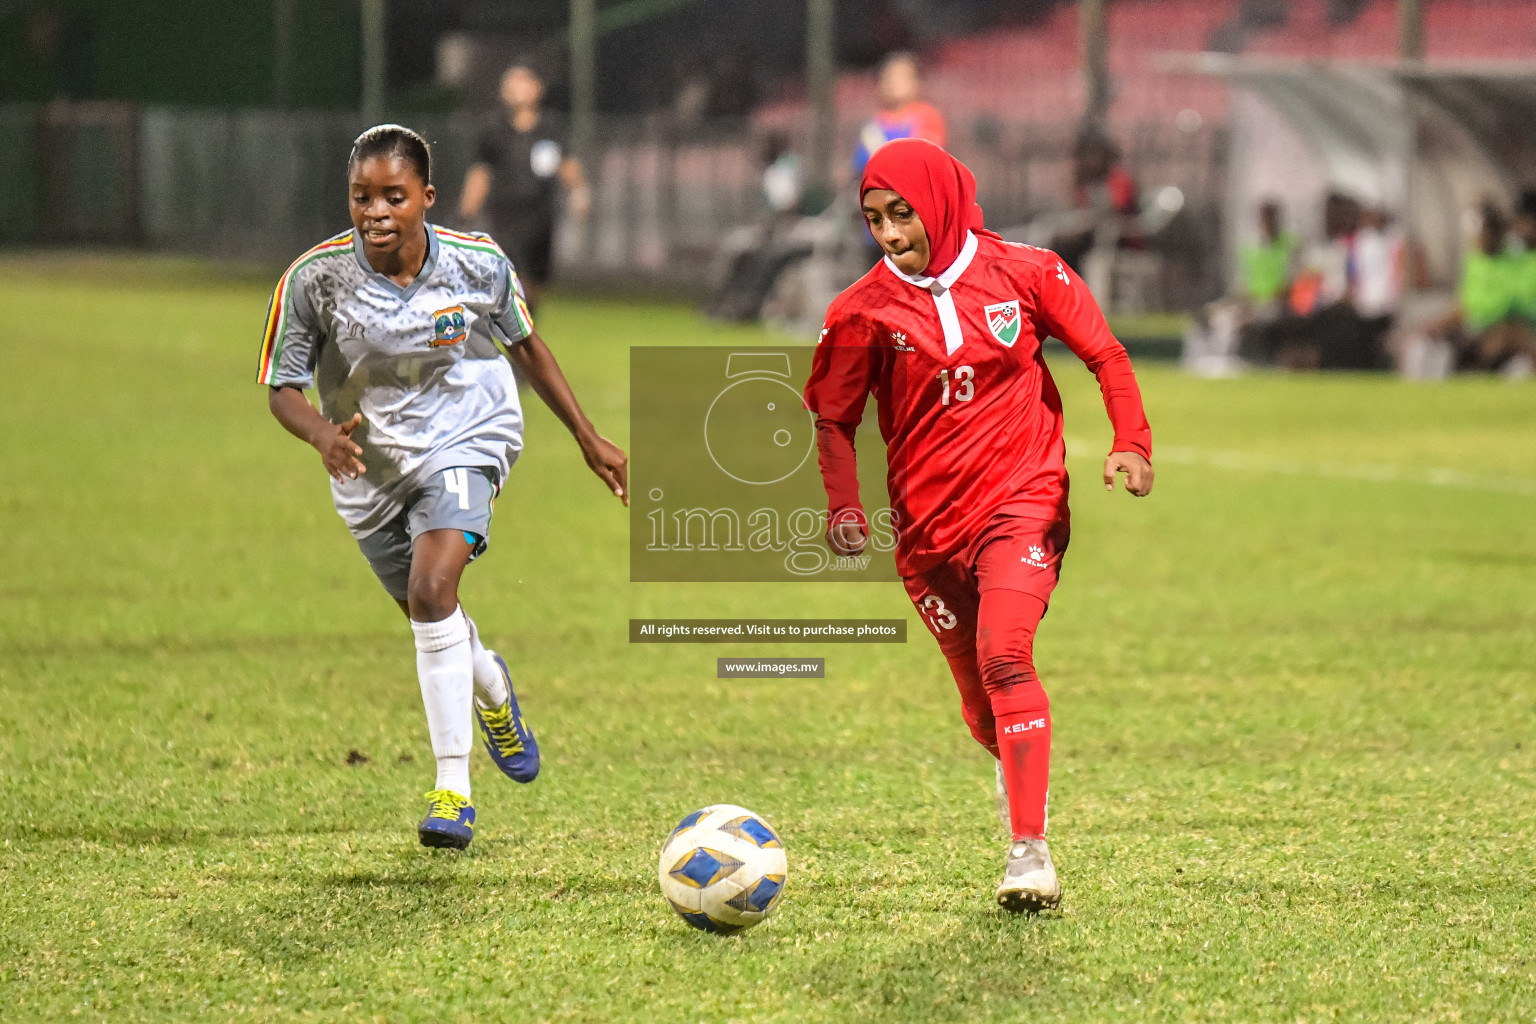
(940, 188)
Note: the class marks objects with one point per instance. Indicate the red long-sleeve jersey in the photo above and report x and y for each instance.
(970, 415)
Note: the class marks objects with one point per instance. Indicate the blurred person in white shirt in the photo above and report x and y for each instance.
(1380, 258)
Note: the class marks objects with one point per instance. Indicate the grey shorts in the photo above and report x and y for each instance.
(453, 499)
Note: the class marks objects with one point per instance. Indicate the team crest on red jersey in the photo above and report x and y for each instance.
(1003, 321)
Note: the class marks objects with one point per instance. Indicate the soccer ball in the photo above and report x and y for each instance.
(723, 869)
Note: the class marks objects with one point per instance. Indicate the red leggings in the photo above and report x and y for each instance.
(998, 676)
(1003, 702)
(984, 612)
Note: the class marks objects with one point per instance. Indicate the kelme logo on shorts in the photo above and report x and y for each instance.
(448, 326)
(1003, 321)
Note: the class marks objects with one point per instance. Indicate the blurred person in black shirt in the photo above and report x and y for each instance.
(521, 162)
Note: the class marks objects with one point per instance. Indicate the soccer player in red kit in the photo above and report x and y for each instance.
(946, 332)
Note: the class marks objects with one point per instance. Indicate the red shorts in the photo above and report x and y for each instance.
(1010, 553)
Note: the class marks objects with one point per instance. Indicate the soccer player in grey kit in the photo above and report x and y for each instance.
(400, 326)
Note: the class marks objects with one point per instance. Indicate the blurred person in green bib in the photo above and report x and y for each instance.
(1244, 319)
(1268, 264)
(1489, 328)
(1486, 294)
(1521, 253)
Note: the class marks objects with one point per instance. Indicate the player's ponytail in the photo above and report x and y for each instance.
(394, 140)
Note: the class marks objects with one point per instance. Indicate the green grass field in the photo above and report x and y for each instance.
(1295, 774)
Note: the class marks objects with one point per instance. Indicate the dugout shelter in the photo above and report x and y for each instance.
(1425, 141)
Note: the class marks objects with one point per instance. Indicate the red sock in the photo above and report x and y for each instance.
(1005, 641)
(1024, 742)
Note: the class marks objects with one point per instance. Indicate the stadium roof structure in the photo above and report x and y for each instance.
(1427, 141)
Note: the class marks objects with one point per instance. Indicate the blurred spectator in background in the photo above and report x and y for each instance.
(1522, 255)
(1492, 323)
(1268, 265)
(520, 163)
(1488, 329)
(1105, 196)
(690, 99)
(1099, 180)
(712, 98)
(1380, 260)
(1491, 326)
(901, 115)
(751, 258)
(1486, 296)
(1324, 328)
(1325, 277)
(783, 183)
(1265, 270)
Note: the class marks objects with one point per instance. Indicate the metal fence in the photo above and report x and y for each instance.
(263, 185)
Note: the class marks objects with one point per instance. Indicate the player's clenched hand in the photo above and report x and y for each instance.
(610, 463)
(847, 539)
(1137, 470)
(338, 451)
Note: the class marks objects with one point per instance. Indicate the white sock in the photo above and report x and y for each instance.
(490, 685)
(445, 667)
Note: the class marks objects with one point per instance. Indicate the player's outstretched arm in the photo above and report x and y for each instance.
(1068, 311)
(334, 442)
(842, 372)
(536, 364)
(847, 530)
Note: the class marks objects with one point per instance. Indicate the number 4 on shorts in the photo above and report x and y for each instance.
(456, 481)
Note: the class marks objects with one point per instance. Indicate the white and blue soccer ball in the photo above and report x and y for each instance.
(723, 869)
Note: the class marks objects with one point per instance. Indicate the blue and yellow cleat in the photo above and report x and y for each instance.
(450, 820)
(508, 739)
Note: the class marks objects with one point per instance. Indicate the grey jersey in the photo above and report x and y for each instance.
(420, 363)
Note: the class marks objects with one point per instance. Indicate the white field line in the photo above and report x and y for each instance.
(1363, 472)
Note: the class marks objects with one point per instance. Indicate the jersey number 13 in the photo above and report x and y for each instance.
(964, 388)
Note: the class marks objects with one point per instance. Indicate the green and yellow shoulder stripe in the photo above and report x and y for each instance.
(277, 312)
(478, 242)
